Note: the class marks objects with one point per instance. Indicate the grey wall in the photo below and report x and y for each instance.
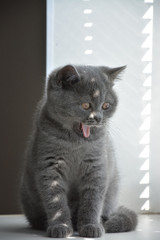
(22, 75)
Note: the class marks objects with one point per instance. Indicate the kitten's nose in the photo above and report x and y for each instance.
(98, 117)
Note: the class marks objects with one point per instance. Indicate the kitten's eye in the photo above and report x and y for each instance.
(106, 106)
(86, 106)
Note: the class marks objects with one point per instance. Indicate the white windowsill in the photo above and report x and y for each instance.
(15, 227)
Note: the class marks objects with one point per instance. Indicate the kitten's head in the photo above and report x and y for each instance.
(81, 97)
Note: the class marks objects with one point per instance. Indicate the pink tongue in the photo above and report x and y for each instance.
(86, 130)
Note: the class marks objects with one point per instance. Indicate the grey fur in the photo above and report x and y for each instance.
(70, 182)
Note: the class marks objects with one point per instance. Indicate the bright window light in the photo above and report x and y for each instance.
(147, 43)
(148, 68)
(88, 38)
(145, 139)
(145, 193)
(145, 165)
(147, 95)
(148, 82)
(148, 56)
(148, 28)
(87, 11)
(145, 179)
(146, 1)
(88, 52)
(145, 206)
(145, 152)
(145, 125)
(147, 110)
(149, 13)
(88, 24)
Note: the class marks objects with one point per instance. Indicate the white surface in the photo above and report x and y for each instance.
(15, 227)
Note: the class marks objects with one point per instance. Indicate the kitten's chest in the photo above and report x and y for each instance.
(81, 157)
(78, 153)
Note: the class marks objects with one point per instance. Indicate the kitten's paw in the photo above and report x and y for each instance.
(59, 231)
(91, 230)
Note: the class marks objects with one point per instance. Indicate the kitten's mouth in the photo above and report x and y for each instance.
(85, 129)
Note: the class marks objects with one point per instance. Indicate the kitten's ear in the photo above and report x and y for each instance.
(67, 76)
(113, 73)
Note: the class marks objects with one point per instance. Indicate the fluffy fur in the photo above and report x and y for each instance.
(70, 179)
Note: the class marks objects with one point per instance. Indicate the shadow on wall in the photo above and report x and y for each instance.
(23, 67)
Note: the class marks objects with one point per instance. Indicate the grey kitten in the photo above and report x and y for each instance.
(70, 180)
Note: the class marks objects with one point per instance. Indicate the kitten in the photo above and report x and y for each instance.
(70, 180)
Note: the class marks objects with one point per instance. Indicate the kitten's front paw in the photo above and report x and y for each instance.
(59, 231)
(91, 230)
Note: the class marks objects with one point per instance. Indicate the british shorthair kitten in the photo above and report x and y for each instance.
(70, 181)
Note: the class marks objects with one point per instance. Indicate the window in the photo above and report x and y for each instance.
(116, 33)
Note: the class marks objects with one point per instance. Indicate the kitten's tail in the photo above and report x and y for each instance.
(123, 220)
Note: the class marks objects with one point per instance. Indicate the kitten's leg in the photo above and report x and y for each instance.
(92, 191)
(33, 209)
(52, 188)
(111, 200)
